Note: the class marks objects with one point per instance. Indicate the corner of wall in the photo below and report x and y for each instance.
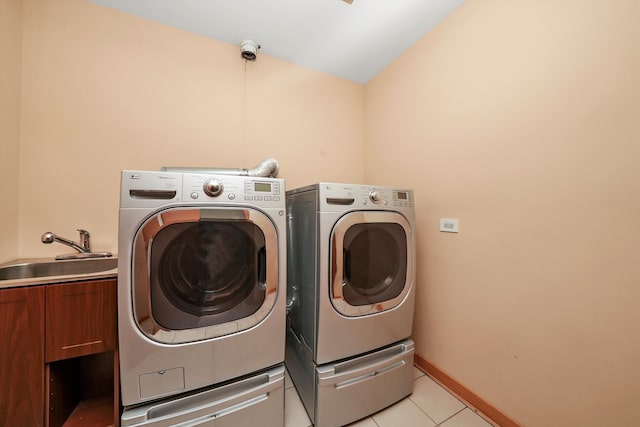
(10, 92)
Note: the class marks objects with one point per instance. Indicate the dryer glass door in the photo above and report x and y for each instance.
(371, 262)
(202, 273)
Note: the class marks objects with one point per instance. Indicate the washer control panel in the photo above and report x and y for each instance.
(229, 188)
(213, 187)
(152, 189)
(260, 190)
(375, 196)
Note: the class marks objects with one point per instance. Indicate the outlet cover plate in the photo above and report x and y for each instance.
(449, 225)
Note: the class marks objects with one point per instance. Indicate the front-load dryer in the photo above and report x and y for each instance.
(351, 252)
(201, 286)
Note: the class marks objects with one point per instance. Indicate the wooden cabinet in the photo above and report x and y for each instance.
(58, 355)
(22, 356)
(80, 319)
(82, 391)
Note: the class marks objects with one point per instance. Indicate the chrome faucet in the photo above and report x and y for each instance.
(83, 247)
(85, 240)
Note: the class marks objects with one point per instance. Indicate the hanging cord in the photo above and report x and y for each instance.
(244, 111)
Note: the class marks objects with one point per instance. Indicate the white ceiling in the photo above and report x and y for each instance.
(353, 41)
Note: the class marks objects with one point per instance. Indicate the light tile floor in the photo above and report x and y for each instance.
(430, 405)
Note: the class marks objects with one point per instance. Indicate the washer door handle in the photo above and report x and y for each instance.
(262, 266)
(346, 266)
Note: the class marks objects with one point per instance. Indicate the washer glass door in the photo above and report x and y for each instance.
(203, 273)
(371, 262)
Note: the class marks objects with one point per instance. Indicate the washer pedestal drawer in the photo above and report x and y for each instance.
(257, 400)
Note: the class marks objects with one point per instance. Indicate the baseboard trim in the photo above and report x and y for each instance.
(466, 394)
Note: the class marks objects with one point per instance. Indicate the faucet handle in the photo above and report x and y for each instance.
(85, 241)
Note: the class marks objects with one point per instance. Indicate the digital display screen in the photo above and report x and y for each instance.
(262, 186)
(402, 195)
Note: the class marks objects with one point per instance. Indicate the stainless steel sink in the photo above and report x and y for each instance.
(35, 269)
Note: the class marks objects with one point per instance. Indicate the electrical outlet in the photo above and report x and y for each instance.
(449, 225)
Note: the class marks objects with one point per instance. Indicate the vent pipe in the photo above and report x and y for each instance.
(268, 168)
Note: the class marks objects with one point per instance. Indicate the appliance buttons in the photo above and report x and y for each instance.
(194, 195)
(375, 196)
(267, 198)
(213, 188)
(231, 196)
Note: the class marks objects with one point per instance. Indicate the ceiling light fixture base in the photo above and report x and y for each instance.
(249, 49)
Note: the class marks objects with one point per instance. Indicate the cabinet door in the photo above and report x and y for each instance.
(80, 319)
(22, 356)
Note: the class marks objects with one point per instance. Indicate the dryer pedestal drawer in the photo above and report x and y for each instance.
(358, 387)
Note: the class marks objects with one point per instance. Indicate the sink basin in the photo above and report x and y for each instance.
(28, 270)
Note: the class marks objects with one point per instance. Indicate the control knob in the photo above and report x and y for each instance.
(213, 188)
(375, 196)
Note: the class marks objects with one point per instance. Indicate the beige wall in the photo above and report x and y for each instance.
(522, 120)
(105, 91)
(10, 71)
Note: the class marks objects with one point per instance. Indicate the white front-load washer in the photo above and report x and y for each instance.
(201, 294)
(351, 286)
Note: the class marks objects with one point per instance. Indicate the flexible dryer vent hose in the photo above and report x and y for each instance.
(268, 168)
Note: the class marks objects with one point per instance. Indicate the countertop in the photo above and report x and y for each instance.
(46, 280)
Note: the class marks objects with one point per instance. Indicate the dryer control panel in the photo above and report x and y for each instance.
(385, 197)
(336, 196)
(402, 198)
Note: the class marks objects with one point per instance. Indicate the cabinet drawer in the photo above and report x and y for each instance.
(80, 319)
